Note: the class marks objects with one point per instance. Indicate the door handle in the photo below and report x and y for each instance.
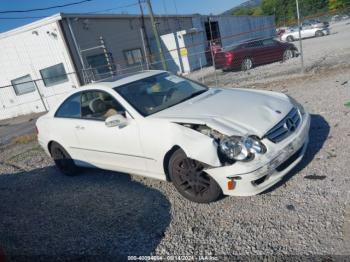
(79, 127)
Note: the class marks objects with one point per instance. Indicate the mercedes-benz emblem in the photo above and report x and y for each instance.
(290, 125)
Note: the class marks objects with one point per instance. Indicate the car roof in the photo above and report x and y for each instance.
(116, 81)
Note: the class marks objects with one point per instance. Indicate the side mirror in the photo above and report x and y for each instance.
(116, 120)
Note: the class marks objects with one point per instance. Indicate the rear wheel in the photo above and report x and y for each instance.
(247, 64)
(319, 33)
(290, 38)
(190, 179)
(63, 160)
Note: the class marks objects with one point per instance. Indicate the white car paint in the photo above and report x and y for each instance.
(306, 32)
(141, 146)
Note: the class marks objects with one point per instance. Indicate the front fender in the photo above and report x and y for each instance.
(159, 136)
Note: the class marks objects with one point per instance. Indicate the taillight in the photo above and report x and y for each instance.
(229, 57)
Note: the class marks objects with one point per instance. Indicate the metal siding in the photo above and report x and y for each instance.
(234, 29)
(27, 53)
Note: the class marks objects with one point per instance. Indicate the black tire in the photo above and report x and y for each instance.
(190, 180)
(319, 33)
(247, 64)
(290, 38)
(63, 160)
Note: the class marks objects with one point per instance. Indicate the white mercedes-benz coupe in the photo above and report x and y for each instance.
(206, 141)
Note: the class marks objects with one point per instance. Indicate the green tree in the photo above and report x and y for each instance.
(255, 11)
(338, 4)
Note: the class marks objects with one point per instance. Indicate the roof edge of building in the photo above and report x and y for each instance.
(31, 26)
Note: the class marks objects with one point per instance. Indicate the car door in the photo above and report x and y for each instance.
(271, 50)
(307, 31)
(257, 52)
(294, 32)
(64, 126)
(113, 148)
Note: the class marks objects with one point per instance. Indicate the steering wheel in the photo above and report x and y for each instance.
(168, 94)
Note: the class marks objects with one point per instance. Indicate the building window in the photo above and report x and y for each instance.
(54, 75)
(133, 56)
(23, 85)
(100, 65)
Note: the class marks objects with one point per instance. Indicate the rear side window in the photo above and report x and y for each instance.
(268, 42)
(70, 108)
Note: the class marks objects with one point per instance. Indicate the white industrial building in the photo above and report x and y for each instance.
(66, 51)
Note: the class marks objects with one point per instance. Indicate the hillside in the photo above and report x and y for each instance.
(246, 4)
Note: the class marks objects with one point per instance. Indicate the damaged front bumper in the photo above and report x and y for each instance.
(251, 178)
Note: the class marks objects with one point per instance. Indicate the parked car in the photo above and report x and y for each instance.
(292, 33)
(315, 24)
(247, 55)
(280, 31)
(207, 141)
(335, 18)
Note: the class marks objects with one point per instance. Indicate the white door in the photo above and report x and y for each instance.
(307, 31)
(64, 125)
(105, 147)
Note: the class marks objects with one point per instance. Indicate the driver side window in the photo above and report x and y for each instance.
(99, 105)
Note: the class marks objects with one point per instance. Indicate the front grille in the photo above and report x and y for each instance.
(285, 127)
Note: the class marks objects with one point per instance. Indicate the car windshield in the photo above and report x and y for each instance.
(153, 94)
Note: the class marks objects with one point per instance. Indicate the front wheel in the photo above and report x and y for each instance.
(190, 179)
(319, 33)
(63, 160)
(288, 54)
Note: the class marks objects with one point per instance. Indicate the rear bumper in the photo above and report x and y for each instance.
(44, 145)
(256, 178)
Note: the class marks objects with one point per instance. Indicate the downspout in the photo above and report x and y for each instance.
(69, 52)
(76, 46)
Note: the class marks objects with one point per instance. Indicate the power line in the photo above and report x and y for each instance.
(114, 8)
(43, 8)
(23, 17)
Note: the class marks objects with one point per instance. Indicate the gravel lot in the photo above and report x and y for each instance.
(102, 213)
(19, 126)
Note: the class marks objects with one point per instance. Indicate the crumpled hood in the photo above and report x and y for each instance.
(232, 111)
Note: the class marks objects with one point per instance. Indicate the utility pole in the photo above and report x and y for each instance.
(144, 38)
(300, 41)
(211, 50)
(156, 35)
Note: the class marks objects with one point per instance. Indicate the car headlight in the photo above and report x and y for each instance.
(241, 148)
(297, 105)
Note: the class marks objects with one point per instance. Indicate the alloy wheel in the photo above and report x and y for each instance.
(288, 54)
(192, 179)
(61, 160)
(247, 64)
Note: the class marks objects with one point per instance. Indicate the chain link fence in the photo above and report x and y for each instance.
(206, 55)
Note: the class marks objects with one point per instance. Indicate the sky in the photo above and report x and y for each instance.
(100, 6)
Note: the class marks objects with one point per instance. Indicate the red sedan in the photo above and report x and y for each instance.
(258, 52)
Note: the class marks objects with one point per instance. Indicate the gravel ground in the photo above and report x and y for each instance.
(103, 213)
(19, 126)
